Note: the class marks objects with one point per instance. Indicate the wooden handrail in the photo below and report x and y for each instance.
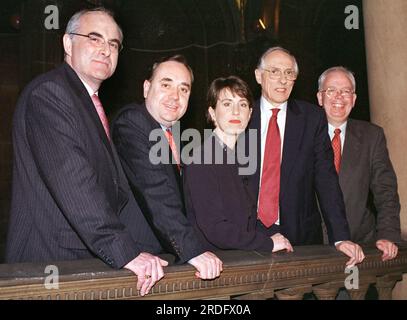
(246, 275)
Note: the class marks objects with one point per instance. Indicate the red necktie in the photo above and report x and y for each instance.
(101, 113)
(270, 178)
(336, 146)
(173, 147)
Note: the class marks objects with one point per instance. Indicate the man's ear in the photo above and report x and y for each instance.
(319, 97)
(354, 99)
(257, 74)
(146, 88)
(67, 42)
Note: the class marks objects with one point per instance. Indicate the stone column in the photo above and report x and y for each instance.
(386, 50)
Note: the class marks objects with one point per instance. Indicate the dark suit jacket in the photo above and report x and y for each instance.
(306, 167)
(68, 185)
(219, 203)
(365, 168)
(156, 187)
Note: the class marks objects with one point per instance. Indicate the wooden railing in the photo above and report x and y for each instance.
(246, 275)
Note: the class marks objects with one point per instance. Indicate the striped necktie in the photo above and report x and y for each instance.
(101, 113)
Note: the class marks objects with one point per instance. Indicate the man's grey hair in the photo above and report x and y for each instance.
(262, 64)
(346, 71)
(74, 23)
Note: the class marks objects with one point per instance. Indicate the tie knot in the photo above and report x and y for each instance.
(275, 112)
(337, 131)
(168, 132)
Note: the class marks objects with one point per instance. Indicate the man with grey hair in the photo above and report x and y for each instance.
(295, 162)
(363, 164)
(70, 195)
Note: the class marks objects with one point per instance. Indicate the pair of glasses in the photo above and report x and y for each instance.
(276, 73)
(333, 92)
(98, 41)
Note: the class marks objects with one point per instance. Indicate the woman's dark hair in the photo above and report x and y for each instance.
(234, 84)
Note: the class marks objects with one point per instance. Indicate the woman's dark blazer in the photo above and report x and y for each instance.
(219, 204)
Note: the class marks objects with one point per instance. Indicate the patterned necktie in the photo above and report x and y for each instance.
(101, 113)
(336, 146)
(173, 146)
(270, 178)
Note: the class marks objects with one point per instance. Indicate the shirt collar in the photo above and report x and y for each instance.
(342, 127)
(165, 128)
(89, 89)
(265, 106)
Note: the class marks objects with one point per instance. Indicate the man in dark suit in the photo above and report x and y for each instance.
(219, 204)
(295, 160)
(363, 165)
(157, 184)
(69, 189)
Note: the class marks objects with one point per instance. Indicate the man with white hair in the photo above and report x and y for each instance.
(363, 164)
(295, 162)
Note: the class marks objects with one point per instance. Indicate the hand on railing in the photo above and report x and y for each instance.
(352, 250)
(148, 268)
(388, 248)
(281, 243)
(209, 266)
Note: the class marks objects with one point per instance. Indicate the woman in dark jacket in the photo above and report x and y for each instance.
(219, 204)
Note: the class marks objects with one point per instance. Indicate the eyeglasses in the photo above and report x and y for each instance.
(98, 41)
(332, 92)
(276, 73)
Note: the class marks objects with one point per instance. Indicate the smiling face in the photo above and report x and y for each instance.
(337, 107)
(276, 91)
(92, 64)
(231, 114)
(167, 93)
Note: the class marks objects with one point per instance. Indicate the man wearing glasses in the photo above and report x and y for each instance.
(69, 190)
(363, 165)
(295, 162)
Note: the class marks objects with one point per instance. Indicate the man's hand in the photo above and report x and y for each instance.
(281, 243)
(209, 266)
(388, 248)
(352, 250)
(148, 268)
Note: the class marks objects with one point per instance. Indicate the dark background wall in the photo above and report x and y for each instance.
(216, 36)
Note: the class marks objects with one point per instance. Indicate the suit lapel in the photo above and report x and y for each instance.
(90, 110)
(171, 169)
(82, 93)
(294, 128)
(255, 124)
(350, 153)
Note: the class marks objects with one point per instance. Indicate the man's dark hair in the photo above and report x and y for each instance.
(177, 58)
